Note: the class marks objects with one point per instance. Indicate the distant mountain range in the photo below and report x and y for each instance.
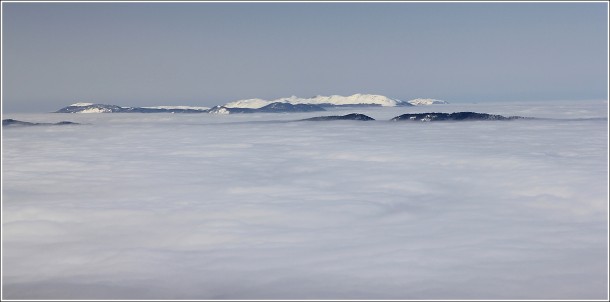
(324, 101)
(291, 104)
(103, 108)
(413, 117)
(276, 107)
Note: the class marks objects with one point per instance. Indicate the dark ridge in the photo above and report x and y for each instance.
(456, 116)
(351, 117)
(66, 123)
(287, 107)
(12, 122)
(277, 107)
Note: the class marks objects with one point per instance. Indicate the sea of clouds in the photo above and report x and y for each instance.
(246, 206)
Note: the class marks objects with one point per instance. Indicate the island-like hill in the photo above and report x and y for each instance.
(12, 122)
(456, 116)
(348, 117)
(423, 117)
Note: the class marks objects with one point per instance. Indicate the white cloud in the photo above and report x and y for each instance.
(198, 206)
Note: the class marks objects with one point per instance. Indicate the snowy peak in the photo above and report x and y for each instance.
(219, 110)
(420, 102)
(249, 103)
(333, 100)
(178, 108)
(356, 99)
(81, 104)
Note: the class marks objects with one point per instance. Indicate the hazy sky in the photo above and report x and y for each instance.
(136, 54)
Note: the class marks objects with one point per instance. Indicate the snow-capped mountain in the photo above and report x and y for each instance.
(179, 108)
(276, 107)
(288, 107)
(289, 104)
(249, 103)
(420, 102)
(90, 108)
(104, 108)
(324, 101)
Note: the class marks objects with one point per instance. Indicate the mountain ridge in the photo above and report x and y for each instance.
(287, 104)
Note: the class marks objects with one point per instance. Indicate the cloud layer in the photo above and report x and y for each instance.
(161, 206)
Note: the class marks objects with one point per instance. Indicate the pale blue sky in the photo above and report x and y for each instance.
(136, 54)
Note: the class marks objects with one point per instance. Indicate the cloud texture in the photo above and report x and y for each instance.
(197, 206)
